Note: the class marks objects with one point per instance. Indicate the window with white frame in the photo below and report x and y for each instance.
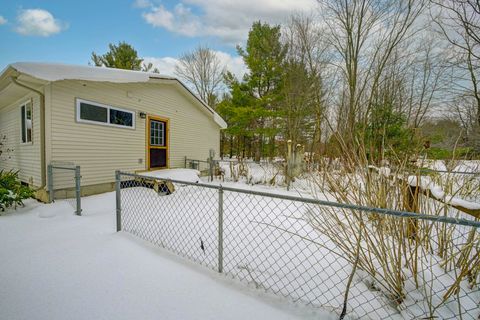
(98, 113)
(27, 122)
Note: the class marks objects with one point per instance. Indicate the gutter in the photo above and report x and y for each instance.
(42, 129)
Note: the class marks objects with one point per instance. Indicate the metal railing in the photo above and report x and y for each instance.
(64, 182)
(200, 165)
(279, 243)
(206, 167)
(426, 170)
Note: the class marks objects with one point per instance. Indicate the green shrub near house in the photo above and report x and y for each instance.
(12, 192)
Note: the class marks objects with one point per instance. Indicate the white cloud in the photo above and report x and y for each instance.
(227, 20)
(234, 64)
(2, 20)
(142, 4)
(180, 20)
(159, 17)
(166, 65)
(38, 22)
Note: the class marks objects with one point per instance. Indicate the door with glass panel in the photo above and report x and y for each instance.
(157, 134)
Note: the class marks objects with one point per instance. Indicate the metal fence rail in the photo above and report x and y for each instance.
(279, 243)
(64, 182)
(426, 170)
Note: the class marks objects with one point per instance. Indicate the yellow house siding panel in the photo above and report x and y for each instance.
(100, 150)
(25, 158)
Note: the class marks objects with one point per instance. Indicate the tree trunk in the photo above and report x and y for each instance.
(222, 142)
(272, 147)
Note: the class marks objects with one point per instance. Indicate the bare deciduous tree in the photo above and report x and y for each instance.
(204, 71)
(365, 35)
(304, 86)
(415, 79)
(459, 23)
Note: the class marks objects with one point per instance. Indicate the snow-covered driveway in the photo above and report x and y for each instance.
(54, 265)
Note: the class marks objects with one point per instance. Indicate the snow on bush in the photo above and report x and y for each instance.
(424, 269)
(12, 192)
(268, 173)
(426, 183)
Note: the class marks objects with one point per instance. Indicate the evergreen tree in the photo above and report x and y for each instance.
(264, 56)
(238, 109)
(386, 134)
(122, 56)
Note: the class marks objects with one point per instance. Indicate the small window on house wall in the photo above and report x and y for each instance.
(27, 122)
(93, 112)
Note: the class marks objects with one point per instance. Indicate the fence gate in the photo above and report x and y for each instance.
(64, 184)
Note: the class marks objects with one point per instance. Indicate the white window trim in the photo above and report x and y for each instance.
(21, 119)
(108, 107)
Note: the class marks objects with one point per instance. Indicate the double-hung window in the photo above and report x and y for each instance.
(98, 113)
(27, 122)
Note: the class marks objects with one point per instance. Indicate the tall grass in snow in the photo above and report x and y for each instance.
(423, 268)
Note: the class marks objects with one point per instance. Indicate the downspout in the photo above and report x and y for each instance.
(42, 129)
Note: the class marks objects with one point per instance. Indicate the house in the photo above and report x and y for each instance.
(100, 119)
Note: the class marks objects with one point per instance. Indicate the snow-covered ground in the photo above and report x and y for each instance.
(472, 166)
(55, 265)
(260, 245)
(188, 175)
(457, 182)
(426, 183)
(271, 244)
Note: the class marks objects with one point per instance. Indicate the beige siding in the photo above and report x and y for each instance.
(100, 150)
(25, 157)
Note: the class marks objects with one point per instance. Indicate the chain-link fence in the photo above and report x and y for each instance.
(64, 183)
(382, 263)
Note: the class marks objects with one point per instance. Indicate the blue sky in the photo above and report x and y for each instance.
(68, 31)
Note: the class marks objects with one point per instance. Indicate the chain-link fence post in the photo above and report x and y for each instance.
(78, 195)
(220, 229)
(50, 183)
(288, 170)
(185, 166)
(118, 200)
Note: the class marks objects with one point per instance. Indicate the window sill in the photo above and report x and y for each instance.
(104, 124)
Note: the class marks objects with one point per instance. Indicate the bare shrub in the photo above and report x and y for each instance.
(408, 260)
